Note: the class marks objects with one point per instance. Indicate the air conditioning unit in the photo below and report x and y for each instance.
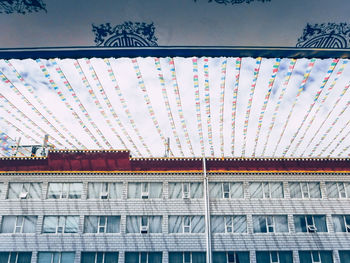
(186, 195)
(23, 195)
(312, 228)
(144, 229)
(104, 195)
(60, 229)
(144, 195)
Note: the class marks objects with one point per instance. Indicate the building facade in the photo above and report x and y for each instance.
(102, 206)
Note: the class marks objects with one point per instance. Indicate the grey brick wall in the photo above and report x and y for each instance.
(165, 242)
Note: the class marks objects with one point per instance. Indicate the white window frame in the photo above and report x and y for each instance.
(186, 194)
(269, 225)
(312, 257)
(223, 190)
(183, 257)
(278, 257)
(339, 193)
(59, 257)
(140, 256)
(227, 226)
(234, 257)
(144, 229)
(61, 224)
(10, 256)
(99, 226)
(347, 227)
(103, 193)
(20, 226)
(145, 194)
(189, 227)
(64, 193)
(310, 228)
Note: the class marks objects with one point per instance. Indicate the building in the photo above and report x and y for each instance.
(103, 206)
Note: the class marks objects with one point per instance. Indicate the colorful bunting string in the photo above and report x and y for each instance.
(339, 73)
(67, 104)
(167, 105)
(278, 104)
(266, 100)
(324, 82)
(125, 106)
(250, 101)
(198, 105)
(149, 105)
(30, 89)
(301, 88)
(334, 139)
(5, 144)
(207, 105)
(42, 117)
(110, 107)
(234, 104)
(222, 103)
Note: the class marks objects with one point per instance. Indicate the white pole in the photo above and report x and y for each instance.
(207, 213)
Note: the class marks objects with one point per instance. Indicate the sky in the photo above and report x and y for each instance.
(122, 104)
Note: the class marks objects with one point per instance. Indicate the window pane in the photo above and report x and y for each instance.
(54, 190)
(90, 224)
(155, 224)
(286, 256)
(8, 224)
(294, 190)
(88, 257)
(197, 224)
(4, 256)
(236, 190)
(175, 190)
(281, 223)
(259, 224)
(1, 187)
(315, 191)
(175, 257)
(347, 189)
(332, 190)
(215, 190)
(29, 224)
(305, 257)
(35, 190)
(240, 224)
(344, 256)
(263, 257)
(132, 224)
(242, 257)
(175, 224)
(134, 190)
(111, 257)
(115, 190)
(256, 190)
(24, 257)
(320, 223)
(338, 223)
(217, 224)
(131, 257)
(113, 224)
(299, 223)
(196, 190)
(75, 190)
(198, 257)
(50, 223)
(43, 257)
(326, 256)
(276, 190)
(219, 257)
(14, 190)
(94, 190)
(72, 224)
(67, 257)
(155, 257)
(156, 190)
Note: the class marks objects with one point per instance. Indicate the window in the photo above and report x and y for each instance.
(344, 256)
(310, 223)
(231, 257)
(315, 256)
(187, 257)
(228, 224)
(266, 190)
(225, 190)
(1, 186)
(102, 224)
(24, 191)
(145, 190)
(185, 190)
(105, 190)
(186, 224)
(61, 224)
(65, 190)
(274, 257)
(56, 257)
(270, 224)
(99, 257)
(338, 190)
(18, 224)
(341, 223)
(144, 224)
(15, 257)
(304, 190)
(143, 257)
